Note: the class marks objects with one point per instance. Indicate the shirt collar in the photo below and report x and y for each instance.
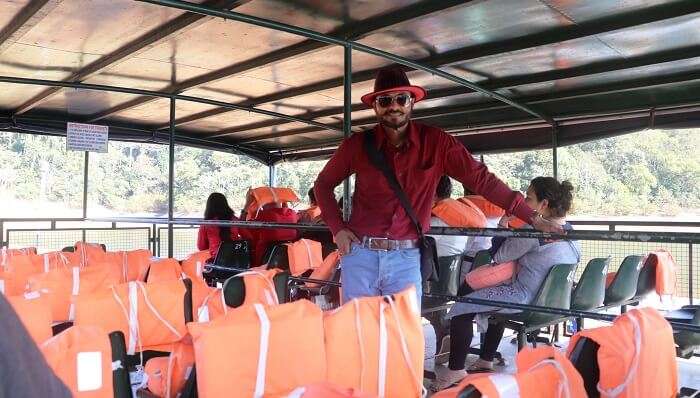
(413, 140)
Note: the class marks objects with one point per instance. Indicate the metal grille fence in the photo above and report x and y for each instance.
(184, 241)
(46, 240)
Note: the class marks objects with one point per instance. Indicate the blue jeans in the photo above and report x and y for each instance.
(376, 273)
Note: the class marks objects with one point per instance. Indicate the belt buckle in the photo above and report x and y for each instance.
(370, 240)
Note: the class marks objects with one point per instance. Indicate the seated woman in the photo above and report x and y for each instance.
(211, 236)
(534, 257)
(313, 213)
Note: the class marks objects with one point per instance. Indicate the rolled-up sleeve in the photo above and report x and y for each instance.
(461, 165)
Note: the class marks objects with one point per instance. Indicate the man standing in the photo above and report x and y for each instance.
(379, 244)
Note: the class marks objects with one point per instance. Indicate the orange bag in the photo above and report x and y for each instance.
(35, 313)
(90, 253)
(323, 390)
(489, 209)
(262, 340)
(15, 271)
(636, 357)
(208, 302)
(129, 265)
(304, 254)
(259, 286)
(542, 372)
(459, 214)
(166, 269)
(665, 271)
(82, 358)
(491, 275)
(325, 271)
(193, 265)
(61, 286)
(375, 345)
(150, 315)
(54, 260)
(167, 375)
(18, 252)
(266, 195)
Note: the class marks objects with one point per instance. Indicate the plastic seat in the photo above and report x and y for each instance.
(449, 268)
(234, 289)
(482, 257)
(120, 375)
(646, 283)
(624, 286)
(277, 257)
(555, 292)
(686, 341)
(589, 292)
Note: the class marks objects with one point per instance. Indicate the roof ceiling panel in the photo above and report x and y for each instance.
(158, 112)
(81, 102)
(227, 120)
(581, 11)
(14, 95)
(9, 10)
(348, 10)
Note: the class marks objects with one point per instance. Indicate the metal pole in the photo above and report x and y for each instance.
(555, 167)
(272, 178)
(347, 120)
(171, 176)
(86, 163)
(690, 272)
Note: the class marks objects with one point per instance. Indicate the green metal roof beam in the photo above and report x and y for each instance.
(196, 8)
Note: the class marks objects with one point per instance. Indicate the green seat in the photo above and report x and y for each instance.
(589, 292)
(646, 284)
(449, 268)
(234, 289)
(624, 286)
(555, 292)
(482, 257)
(277, 257)
(686, 341)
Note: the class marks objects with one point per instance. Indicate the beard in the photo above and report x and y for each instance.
(395, 120)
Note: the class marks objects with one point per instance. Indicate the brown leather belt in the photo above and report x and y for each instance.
(388, 244)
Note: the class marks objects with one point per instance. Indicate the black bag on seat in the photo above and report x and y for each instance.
(584, 357)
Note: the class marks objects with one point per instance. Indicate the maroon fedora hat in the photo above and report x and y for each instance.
(392, 79)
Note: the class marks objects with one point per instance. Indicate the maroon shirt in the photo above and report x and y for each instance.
(428, 154)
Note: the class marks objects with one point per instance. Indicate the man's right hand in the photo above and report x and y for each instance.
(344, 239)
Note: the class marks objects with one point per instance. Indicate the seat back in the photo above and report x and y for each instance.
(688, 341)
(624, 286)
(590, 290)
(234, 254)
(555, 292)
(120, 374)
(584, 357)
(646, 283)
(449, 268)
(482, 257)
(276, 256)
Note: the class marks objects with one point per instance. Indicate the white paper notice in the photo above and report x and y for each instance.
(87, 137)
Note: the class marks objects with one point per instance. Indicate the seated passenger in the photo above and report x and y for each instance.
(211, 236)
(261, 238)
(448, 212)
(312, 215)
(534, 257)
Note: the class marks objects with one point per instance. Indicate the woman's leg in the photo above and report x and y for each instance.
(461, 333)
(494, 335)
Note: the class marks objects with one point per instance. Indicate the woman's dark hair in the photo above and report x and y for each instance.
(312, 196)
(559, 195)
(218, 209)
(444, 188)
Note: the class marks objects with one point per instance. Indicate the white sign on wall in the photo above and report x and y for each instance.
(87, 137)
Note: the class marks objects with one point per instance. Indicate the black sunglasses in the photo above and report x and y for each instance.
(385, 101)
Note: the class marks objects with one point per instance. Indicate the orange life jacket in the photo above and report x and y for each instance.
(193, 265)
(207, 301)
(325, 271)
(636, 357)
(166, 269)
(81, 356)
(304, 254)
(150, 315)
(542, 372)
(131, 265)
(323, 390)
(375, 345)
(90, 253)
(489, 209)
(53, 260)
(263, 340)
(459, 214)
(21, 251)
(665, 267)
(35, 313)
(266, 195)
(15, 271)
(61, 286)
(167, 375)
